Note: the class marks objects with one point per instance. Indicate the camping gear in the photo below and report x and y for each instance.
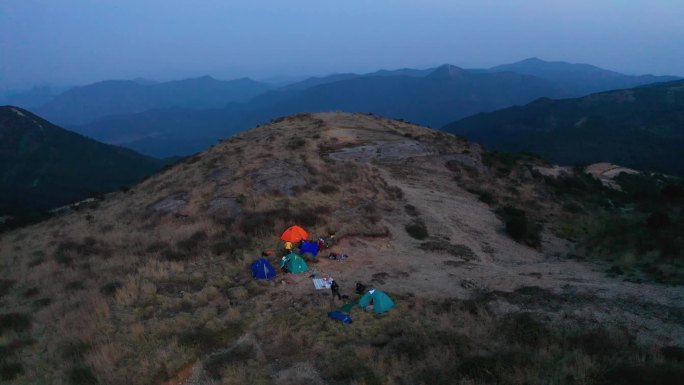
(294, 264)
(262, 269)
(322, 283)
(294, 234)
(380, 301)
(309, 247)
(339, 316)
(347, 307)
(360, 288)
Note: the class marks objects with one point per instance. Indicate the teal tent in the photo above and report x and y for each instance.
(294, 264)
(380, 301)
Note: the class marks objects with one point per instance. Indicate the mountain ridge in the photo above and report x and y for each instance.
(43, 166)
(639, 127)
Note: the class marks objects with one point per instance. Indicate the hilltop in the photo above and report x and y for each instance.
(153, 283)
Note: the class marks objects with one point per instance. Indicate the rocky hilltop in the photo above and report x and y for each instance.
(153, 286)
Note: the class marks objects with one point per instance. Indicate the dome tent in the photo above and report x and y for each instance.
(294, 234)
(294, 264)
(380, 301)
(262, 269)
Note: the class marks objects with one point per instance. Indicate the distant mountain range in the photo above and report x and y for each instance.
(445, 94)
(80, 105)
(179, 118)
(579, 79)
(43, 166)
(641, 127)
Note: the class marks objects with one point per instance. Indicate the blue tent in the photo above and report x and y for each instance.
(309, 247)
(262, 269)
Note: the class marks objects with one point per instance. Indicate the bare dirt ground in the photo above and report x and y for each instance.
(397, 264)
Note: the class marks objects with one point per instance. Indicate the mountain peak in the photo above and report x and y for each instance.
(448, 71)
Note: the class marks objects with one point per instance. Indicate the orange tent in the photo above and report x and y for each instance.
(294, 234)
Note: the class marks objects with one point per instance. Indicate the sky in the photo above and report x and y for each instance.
(72, 42)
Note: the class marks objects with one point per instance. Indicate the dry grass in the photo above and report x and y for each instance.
(135, 295)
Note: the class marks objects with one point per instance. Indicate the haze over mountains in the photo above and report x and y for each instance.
(114, 97)
(641, 127)
(180, 118)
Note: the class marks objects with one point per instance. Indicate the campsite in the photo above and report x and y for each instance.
(293, 269)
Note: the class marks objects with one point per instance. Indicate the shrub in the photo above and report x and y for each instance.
(520, 228)
(74, 286)
(10, 370)
(629, 374)
(41, 303)
(417, 229)
(17, 322)
(524, 329)
(328, 189)
(110, 288)
(5, 286)
(411, 210)
(82, 375)
(486, 197)
(75, 351)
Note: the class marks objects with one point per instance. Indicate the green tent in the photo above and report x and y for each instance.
(381, 302)
(294, 264)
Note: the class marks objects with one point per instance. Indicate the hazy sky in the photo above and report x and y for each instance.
(67, 42)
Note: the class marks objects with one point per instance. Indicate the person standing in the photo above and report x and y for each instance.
(335, 288)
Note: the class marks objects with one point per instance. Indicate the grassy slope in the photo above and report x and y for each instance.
(127, 291)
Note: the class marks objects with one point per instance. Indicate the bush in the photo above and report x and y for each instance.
(417, 230)
(328, 189)
(411, 210)
(520, 228)
(17, 322)
(41, 303)
(109, 289)
(524, 329)
(486, 197)
(629, 374)
(82, 375)
(10, 370)
(5, 286)
(74, 286)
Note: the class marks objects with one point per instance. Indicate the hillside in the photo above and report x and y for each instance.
(641, 128)
(579, 79)
(447, 93)
(43, 166)
(83, 104)
(152, 286)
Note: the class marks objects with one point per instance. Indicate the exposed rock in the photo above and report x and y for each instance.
(221, 176)
(280, 176)
(454, 160)
(171, 204)
(384, 151)
(224, 207)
